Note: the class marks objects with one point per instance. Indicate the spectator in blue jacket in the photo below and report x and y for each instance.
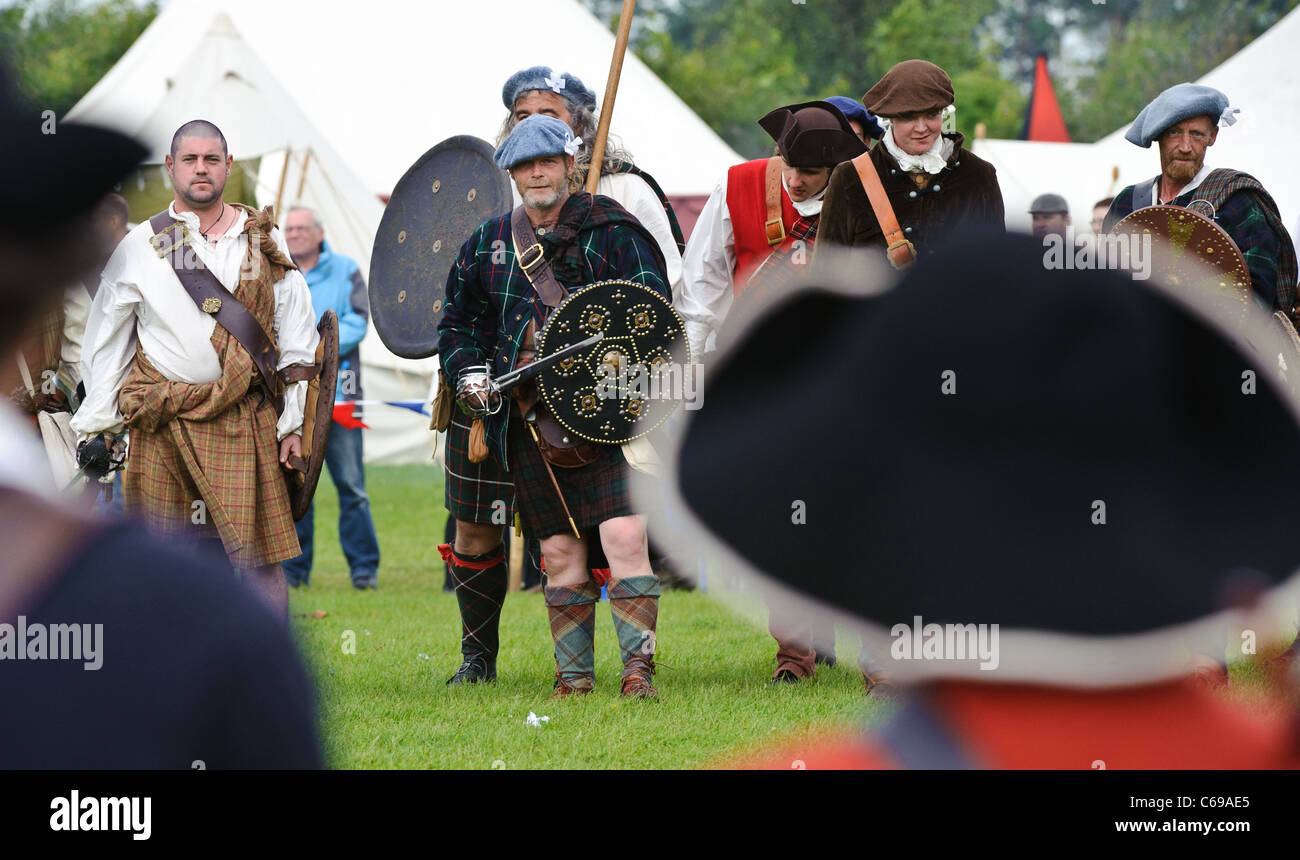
(336, 284)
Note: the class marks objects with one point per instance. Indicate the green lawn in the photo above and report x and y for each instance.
(387, 705)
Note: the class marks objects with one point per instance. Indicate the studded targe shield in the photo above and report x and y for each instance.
(1190, 250)
(318, 417)
(629, 382)
(444, 196)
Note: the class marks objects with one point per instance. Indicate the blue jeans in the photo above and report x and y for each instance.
(343, 456)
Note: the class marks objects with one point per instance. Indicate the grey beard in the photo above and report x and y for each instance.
(543, 204)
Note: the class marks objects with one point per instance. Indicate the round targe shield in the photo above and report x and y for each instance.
(628, 383)
(317, 419)
(436, 205)
(1189, 249)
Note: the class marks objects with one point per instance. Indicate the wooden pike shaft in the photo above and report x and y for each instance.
(611, 92)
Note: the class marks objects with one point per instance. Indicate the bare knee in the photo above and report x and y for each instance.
(476, 538)
(566, 560)
(624, 542)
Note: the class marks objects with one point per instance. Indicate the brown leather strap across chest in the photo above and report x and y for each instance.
(532, 259)
(774, 226)
(213, 298)
(900, 251)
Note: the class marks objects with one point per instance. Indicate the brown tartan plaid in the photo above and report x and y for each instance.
(595, 492)
(214, 442)
(473, 488)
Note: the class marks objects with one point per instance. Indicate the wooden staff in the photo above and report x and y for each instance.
(611, 91)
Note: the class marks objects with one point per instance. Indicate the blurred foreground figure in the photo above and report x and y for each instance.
(1062, 488)
(116, 651)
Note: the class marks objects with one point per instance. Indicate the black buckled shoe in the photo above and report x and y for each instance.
(476, 668)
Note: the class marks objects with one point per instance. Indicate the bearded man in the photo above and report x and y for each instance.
(214, 410)
(476, 562)
(1184, 120)
(493, 314)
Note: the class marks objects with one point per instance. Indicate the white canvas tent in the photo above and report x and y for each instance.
(354, 94)
(1262, 80)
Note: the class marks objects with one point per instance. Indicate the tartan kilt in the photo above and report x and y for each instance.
(595, 492)
(231, 465)
(472, 488)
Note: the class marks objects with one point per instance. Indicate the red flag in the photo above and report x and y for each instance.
(344, 417)
(1043, 120)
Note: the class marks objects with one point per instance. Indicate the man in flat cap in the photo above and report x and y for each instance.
(477, 562)
(1184, 121)
(1050, 215)
(931, 183)
(493, 314)
(757, 228)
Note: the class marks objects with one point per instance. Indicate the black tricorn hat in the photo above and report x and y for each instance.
(812, 134)
(51, 171)
(1086, 461)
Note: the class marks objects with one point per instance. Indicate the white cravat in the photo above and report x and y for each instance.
(806, 208)
(932, 161)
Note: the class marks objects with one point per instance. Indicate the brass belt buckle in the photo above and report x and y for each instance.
(541, 253)
(774, 237)
(210, 305)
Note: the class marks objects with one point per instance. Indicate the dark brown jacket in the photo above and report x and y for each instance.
(965, 193)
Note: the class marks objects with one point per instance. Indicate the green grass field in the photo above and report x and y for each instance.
(387, 705)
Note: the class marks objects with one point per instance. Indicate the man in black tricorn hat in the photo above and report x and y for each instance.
(764, 215)
(116, 649)
(757, 229)
(931, 185)
(1056, 526)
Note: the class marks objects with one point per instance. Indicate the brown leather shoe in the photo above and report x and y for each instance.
(579, 686)
(636, 678)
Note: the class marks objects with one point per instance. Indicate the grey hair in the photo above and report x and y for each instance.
(584, 126)
(303, 207)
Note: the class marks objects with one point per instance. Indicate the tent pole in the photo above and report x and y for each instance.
(279, 192)
(302, 178)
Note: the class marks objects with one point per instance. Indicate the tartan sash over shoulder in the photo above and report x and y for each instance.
(1222, 183)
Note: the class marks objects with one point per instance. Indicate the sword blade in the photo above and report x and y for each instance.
(507, 381)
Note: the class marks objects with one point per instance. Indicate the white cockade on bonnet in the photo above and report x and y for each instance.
(556, 84)
(571, 145)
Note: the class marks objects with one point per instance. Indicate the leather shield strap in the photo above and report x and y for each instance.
(532, 259)
(203, 287)
(773, 227)
(900, 251)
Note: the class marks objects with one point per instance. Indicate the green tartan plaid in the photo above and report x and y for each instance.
(595, 492)
(473, 490)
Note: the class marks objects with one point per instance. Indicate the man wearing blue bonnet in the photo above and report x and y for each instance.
(1184, 121)
(493, 313)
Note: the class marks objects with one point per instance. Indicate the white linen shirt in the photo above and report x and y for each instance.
(709, 267)
(141, 298)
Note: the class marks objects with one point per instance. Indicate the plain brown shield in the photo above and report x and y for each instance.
(318, 416)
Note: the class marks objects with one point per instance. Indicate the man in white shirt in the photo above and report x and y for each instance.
(757, 228)
(200, 406)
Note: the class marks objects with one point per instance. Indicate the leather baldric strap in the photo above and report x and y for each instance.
(900, 251)
(532, 259)
(774, 226)
(213, 298)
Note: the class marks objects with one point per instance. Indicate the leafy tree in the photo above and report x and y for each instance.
(59, 49)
